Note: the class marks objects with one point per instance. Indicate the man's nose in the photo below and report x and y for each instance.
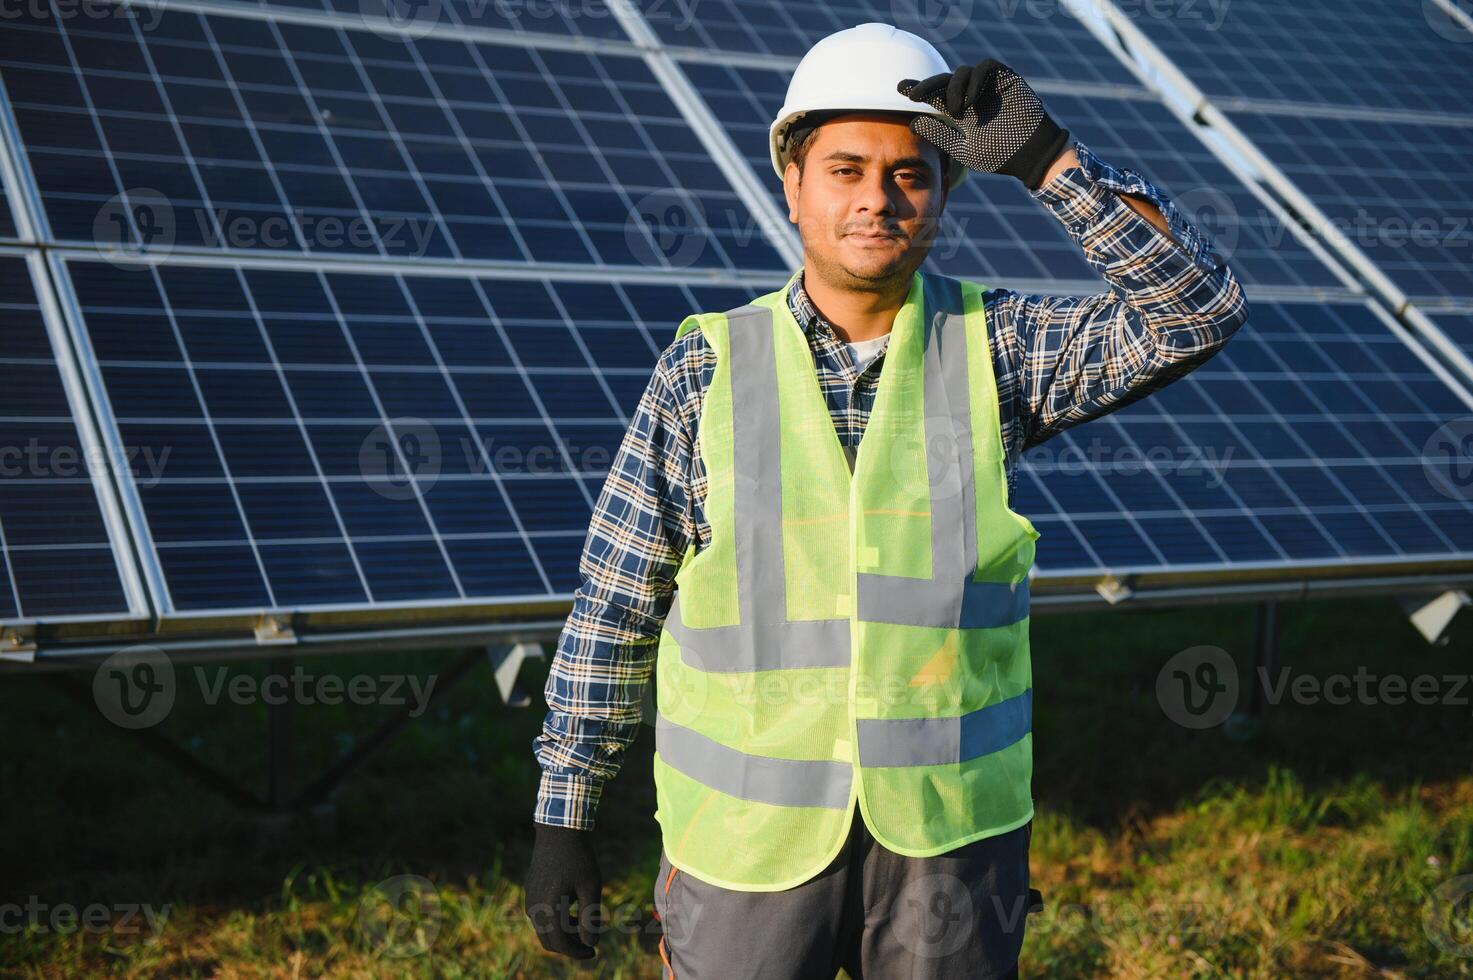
(876, 194)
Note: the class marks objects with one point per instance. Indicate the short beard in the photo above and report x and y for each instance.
(841, 277)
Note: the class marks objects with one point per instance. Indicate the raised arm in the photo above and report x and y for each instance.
(1173, 301)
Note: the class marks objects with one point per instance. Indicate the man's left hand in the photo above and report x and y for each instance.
(1000, 125)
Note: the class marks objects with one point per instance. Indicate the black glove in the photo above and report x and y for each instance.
(564, 868)
(1001, 124)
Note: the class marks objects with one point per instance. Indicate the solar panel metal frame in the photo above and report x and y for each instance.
(94, 447)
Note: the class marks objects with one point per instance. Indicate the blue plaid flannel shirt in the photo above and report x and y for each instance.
(1058, 361)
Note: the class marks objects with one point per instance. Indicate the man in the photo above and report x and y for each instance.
(843, 703)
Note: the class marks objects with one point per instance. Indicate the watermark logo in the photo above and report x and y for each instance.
(399, 20)
(401, 459)
(135, 688)
(937, 913)
(935, 20)
(401, 917)
(64, 918)
(667, 227)
(1214, 214)
(1447, 459)
(1198, 688)
(1446, 24)
(1447, 916)
(139, 221)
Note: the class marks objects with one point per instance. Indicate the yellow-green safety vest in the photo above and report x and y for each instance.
(846, 635)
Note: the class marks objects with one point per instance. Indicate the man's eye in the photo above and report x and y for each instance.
(846, 170)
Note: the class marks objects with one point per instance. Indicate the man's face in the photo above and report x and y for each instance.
(868, 201)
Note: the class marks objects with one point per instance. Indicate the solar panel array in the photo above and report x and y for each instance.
(368, 293)
(241, 134)
(1366, 106)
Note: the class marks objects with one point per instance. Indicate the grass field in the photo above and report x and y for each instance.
(1309, 849)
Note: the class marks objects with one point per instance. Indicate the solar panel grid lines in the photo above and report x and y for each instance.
(1359, 54)
(330, 140)
(56, 509)
(1311, 439)
(1399, 192)
(344, 438)
(1358, 114)
(1041, 41)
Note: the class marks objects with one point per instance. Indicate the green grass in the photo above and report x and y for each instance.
(1306, 850)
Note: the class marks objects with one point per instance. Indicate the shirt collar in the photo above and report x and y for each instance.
(802, 307)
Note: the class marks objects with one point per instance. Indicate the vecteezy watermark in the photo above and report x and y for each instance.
(411, 19)
(1450, 19)
(146, 13)
(401, 459)
(1447, 459)
(143, 221)
(945, 20)
(1447, 916)
(135, 688)
(1105, 459)
(64, 918)
(667, 227)
(1365, 688)
(1198, 687)
(405, 457)
(401, 917)
(136, 222)
(39, 460)
(138, 687)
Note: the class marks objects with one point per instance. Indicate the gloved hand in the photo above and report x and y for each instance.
(1001, 125)
(564, 868)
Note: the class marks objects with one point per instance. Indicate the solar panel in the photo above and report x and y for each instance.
(1307, 440)
(59, 561)
(1355, 53)
(993, 230)
(1400, 191)
(243, 134)
(1040, 44)
(1457, 326)
(342, 438)
(421, 16)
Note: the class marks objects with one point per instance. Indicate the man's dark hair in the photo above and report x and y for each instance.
(803, 131)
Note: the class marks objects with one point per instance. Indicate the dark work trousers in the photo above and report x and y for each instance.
(877, 914)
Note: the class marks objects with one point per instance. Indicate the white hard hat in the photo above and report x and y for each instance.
(858, 69)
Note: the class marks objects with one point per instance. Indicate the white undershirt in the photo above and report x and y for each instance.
(864, 351)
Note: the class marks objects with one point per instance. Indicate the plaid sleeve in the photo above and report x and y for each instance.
(605, 655)
(1172, 304)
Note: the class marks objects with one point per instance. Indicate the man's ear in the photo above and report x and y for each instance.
(791, 179)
